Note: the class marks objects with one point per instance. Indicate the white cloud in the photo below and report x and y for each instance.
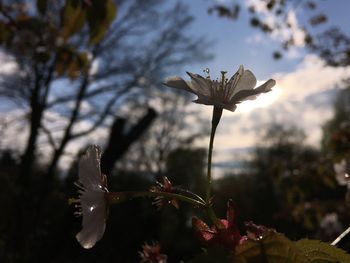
(296, 31)
(257, 38)
(13, 130)
(311, 76)
(293, 53)
(284, 32)
(260, 6)
(223, 1)
(8, 64)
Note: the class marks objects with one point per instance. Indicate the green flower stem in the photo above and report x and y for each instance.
(213, 217)
(341, 237)
(118, 197)
(188, 192)
(217, 112)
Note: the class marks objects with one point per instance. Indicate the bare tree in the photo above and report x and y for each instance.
(147, 40)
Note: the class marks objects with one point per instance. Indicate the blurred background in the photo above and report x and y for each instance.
(80, 72)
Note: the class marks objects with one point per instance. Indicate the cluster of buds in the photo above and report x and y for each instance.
(151, 254)
(164, 187)
(225, 233)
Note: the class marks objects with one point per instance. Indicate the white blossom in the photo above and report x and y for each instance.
(341, 173)
(92, 200)
(224, 93)
(330, 224)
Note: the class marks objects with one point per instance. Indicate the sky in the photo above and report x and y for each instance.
(302, 96)
(235, 42)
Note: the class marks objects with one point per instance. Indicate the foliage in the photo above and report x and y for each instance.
(336, 137)
(275, 247)
(22, 31)
(212, 255)
(272, 247)
(316, 251)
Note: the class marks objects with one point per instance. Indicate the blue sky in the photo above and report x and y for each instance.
(230, 47)
(230, 37)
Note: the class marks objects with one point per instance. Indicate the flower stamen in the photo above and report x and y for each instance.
(207, 72)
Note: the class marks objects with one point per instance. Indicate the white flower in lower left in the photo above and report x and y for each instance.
(92, 200)
(341, 173)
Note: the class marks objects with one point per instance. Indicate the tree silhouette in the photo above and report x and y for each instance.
(76, 64)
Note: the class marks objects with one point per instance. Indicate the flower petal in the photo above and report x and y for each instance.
(167, 184)
(341, 173)
(200, 85)
(178, 83)
(340, 167)
(246, 82)
(89, 168)
(203, 232)
(94, 218)
(250, 94)
(266, 87)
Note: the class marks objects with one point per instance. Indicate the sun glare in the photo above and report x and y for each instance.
(262, 101)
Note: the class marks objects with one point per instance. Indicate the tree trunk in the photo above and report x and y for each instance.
(28, 157)
(119, 141)
(24, 199)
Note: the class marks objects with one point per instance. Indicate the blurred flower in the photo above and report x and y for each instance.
(166, 186)
(330, 225)
(341, 173)
(151, 254)
(225, 93)
(92, 202)
(255, 232)
(228, 236)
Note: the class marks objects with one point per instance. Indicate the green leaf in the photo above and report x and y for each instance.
(78, 65)
(271, 248)
(5, 34)
(319, 252)
(64, 58)
(100, 15)
(83, 62)
(41, 5)
(73, 18)
(213, 255)
(73, 69)
(71, 62)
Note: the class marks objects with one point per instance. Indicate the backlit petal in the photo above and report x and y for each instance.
(89, 168)
(94, 218)
(200, 85)
(178, 83)
(246, 82)
(251, 94)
